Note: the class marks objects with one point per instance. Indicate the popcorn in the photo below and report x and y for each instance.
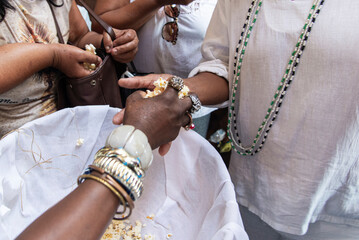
(160, 87)
(79, 142)
(90, 66)
(150, 217)
(123, 230)
(149, 237)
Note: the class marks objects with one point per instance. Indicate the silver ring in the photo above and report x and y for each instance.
(176, 83)
(196, 103)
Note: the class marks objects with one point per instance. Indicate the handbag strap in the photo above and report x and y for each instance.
(59, 34)
(102, 23)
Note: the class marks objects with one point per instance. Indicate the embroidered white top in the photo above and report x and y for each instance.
(308, 169)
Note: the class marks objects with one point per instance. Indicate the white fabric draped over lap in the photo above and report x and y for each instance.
(188, 191)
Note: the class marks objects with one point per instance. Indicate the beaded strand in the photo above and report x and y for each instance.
(287, 78)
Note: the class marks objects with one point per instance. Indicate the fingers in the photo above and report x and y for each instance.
(185, 103)
(124, 57)
(125, 36)
(89, 58)
(139, 82)
(118, 118)
(125, 46)
(107, 42)
(164, 149)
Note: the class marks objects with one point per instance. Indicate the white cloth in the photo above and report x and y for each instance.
(308, 169)
(159, 56)
(189, 191)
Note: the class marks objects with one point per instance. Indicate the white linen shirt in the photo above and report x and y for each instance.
(159, 56)
(308, 169)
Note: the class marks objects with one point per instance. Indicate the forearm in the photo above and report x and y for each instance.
(79, 32)
(83, 214)
(21, 60)
(132, 15)
(90, 37)
(210, 88)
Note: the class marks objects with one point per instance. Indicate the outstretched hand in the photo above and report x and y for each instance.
(124, 48)
(141, 82)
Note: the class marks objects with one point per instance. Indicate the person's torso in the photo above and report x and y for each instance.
(308, 163)
(159, 56)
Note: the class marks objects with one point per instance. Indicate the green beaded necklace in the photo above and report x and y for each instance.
(287, 78)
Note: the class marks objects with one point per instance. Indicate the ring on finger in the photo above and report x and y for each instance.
(196, 103)
(190, 125)
(176, 83)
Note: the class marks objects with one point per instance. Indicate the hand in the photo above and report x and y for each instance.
(118, 120)
(124, 47)
(160, 117)
(69, 59)
(141, 82)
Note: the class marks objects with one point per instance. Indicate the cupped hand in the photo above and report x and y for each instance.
(141, 82)
(160, 117)
(124, 47)
(69, 60)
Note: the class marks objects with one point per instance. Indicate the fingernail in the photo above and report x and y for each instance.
(115, 51)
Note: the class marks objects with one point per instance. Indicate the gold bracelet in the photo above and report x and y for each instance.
(127, 177)
(122, 214)
(107, 155)
(83, 177)
(114, 183)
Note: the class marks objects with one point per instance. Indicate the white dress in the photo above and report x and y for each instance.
(308, 169)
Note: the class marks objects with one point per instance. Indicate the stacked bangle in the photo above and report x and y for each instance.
(123, 174)
(121, 166)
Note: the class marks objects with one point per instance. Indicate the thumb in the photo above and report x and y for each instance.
(118, 118)
(164, 149)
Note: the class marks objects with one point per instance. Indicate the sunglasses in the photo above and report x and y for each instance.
(170, 29)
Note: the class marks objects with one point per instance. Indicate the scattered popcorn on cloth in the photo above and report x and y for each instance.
(125, 230)
(90, 48)
(160, 87)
